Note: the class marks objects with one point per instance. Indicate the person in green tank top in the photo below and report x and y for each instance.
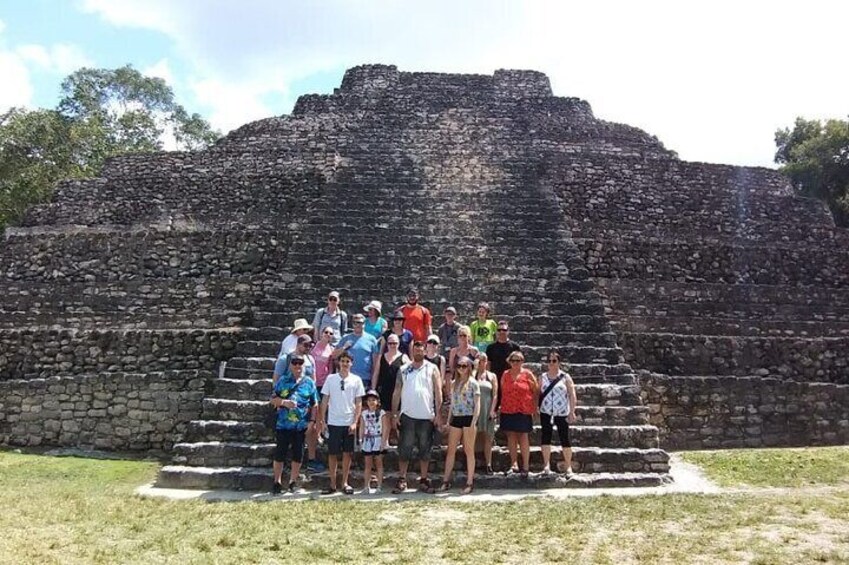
(483, 328)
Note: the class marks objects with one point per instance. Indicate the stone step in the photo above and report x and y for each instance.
(730, 326)
(616, 373)
(533, 353)
(565, 316)
(639, 436)
(561, 340)
(524, 324)
(260, 479)
(588, 394)
(429, 285)
(777, 312)
(663, 292)
(523, 297)
(226, 409)
(584, 460)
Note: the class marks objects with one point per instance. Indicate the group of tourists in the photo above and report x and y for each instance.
(396, 380)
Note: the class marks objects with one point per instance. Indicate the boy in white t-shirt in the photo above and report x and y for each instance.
(341, 405)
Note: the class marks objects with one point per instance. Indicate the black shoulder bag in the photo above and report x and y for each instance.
(550, 387)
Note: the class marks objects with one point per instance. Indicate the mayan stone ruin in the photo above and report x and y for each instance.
(700, 305)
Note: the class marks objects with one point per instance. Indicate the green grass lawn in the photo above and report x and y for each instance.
(67, 510)
(787, 467)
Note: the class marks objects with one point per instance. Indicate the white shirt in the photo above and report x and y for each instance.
(288, 345)
(557, 401)
(417, 392)
(342, 403)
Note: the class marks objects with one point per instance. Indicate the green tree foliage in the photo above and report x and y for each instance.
(815, 156)
(102, 113)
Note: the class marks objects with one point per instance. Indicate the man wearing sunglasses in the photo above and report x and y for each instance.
(498, 352)
(341, 405)
(331, 316)
(282, 367)
(363, 349)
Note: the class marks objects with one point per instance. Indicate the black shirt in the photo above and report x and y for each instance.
(497, 354)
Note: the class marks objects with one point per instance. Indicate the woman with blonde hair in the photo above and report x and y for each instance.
(465, 408)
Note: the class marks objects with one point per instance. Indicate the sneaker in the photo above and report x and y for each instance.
(276, 488)
(348, 489)
(376, 490)
(569, 472)
(316, 466)
(546, 470)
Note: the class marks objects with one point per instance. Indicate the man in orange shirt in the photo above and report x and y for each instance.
(417, 318)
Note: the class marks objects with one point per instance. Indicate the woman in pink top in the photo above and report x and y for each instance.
(322, 353)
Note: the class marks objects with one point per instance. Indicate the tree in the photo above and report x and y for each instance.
(102, 113)
(815, 156)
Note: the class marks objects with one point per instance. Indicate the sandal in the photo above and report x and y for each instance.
(524, 473)
(348, 489)
(424, 486)
(489, 470)
(328, 490)
(445, 486)
(468, 489)
(400, 487)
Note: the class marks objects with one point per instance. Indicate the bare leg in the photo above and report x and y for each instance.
(546, 456)
(367, 472)
(278, 471)
(296, 471)
(512, 440)
(524, 442)
(454, 435)
(379, 463)
(567, 458)
(346, 468)
(312, 441)
(469, 448)
(487, 449)
(332, 467)
(423, 467)
(387, 425)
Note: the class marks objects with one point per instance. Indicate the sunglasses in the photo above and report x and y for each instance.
(392, 342)
(516, 360)
(297, 362)
(433, 342)
(358, 323)
(502, 330)
(328, 332)
(333, 299)
(463, 366)
(342, 384)
(553, 361)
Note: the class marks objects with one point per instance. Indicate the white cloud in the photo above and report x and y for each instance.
(712, 80)
(61, 58)
(160, 69)
(17, 88)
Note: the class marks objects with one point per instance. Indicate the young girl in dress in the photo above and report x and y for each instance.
(373, 436)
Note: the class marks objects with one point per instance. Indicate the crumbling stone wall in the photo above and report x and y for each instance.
(796, 358)
(85, 256)
(145, 411)
(37, 353)
(727, 412)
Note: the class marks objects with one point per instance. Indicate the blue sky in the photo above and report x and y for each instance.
(713, 80)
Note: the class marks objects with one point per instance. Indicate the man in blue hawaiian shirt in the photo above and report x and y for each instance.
(295, 398)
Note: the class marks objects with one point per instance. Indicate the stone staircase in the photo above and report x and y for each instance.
(380, 226)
